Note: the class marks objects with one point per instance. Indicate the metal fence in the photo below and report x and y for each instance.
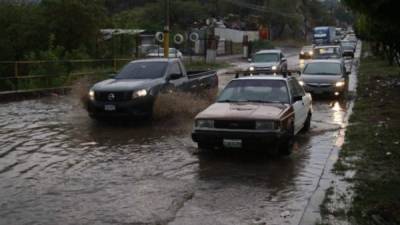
(41, 74)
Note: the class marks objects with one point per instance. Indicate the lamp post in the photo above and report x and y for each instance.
(166, 29)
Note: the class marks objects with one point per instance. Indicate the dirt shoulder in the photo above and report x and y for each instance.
(370, 159)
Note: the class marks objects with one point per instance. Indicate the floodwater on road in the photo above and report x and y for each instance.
(59, 167)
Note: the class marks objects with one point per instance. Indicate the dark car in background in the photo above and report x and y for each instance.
(306, 52)
(348, 51)
(328, 52)
(325, 77)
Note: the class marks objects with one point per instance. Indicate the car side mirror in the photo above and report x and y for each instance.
(284, 59)
(297, 98)
(175, 76)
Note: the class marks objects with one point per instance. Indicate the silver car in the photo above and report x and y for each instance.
(268, 62)
(325, 76)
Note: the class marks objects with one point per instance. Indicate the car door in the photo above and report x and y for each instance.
(179, 82)
(307, 101)
(299, 108)
(283, 62)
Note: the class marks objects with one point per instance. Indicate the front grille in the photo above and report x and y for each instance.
(119, 96)
(263, 68)
(229, 124)
(319, 85)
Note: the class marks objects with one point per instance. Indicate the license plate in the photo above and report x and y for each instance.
(228, 143)
(109, 107)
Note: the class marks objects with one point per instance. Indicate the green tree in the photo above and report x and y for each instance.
(379, 22)
(151, 16)
(22, 30)
(74, 23)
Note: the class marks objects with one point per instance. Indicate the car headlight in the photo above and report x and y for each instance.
(140, 93)
(301, 82)
(311, 53)
(204, 123)
(267, 125)
(302, 53)
(274, 68)
(251, 68)
(91, 95)
(340, 84)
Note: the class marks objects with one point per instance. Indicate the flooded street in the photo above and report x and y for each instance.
(59, 167)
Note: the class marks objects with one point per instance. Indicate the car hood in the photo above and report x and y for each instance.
(266, 64)
(325, 79)
(245, 111)
(125, 84)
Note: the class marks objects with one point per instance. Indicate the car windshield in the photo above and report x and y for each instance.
(320, 31)
(347, 47)
(143, 70)
(325, 53)
(266, 57)
(264, 91)
(323, 68)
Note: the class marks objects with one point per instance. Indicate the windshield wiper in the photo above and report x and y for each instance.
(227, 100)
(321, 73)
(262, 101)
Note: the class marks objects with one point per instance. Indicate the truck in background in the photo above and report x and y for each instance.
(324, 35)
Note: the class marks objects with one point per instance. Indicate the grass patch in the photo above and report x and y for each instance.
(372, 147)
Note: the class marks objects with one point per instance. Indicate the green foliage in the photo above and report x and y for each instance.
(22, 26)
(26, 27)
(372, 146)
(183, 14)
(74, 22)
(379, 21)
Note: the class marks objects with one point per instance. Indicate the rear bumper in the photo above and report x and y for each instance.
(133, 108)
(250, 139)
(348, 53)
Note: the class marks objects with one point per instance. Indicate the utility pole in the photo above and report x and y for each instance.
(166, 29)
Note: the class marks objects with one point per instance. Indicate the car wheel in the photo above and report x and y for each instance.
(307, 123)
(286, 146)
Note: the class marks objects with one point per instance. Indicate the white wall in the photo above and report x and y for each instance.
(236, 35)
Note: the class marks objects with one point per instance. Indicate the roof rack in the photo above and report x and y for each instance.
(289, 73)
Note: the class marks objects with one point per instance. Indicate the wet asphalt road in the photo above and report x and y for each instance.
(59, 167)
